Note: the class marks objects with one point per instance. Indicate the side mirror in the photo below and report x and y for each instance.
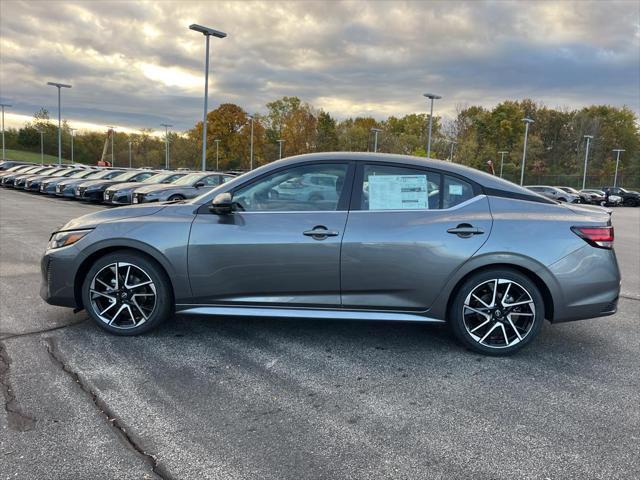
(222, 204)
(199, 184)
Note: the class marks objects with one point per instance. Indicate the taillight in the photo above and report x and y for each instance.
(601, 237)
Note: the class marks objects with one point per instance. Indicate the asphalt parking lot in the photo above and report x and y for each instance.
(288, 399)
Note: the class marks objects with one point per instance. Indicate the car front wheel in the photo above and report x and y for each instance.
(497, 312)
(127, 293)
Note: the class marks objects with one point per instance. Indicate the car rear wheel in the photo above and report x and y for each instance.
(126, 293)
(497, 312)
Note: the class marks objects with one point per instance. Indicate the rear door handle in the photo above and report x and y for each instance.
(465, 230)
(320, 232)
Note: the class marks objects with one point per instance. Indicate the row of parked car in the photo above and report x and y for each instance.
(112, 186)
(607, 197)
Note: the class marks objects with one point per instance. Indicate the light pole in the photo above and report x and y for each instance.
(615, 177)
(251, 145)
(586, 159)
(452, 142)
(113, 153)
(207, 32)
(375, 138)
(217, 140)
(280, 142)
(502, 154)
(129, 153)
(432, 97)
(3, 105)
(166, 144)
(73, 134)
(59, 86)
(41, 146)
(526, 121)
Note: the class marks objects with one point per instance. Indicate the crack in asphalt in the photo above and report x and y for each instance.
(16, 418)
(10, 336)
(127, 437)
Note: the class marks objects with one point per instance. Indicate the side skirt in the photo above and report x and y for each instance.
(303, 313)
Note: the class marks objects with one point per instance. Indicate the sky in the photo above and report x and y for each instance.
(136, 64)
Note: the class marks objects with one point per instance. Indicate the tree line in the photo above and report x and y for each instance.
(555, 150)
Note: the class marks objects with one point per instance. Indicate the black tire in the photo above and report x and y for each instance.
(163, 303)
(173, 198)
(462, 332)
(562, 199)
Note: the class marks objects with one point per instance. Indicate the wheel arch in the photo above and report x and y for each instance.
(548, 285)
(104, 249)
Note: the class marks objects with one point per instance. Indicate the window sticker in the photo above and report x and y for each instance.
(397, 192)
(455, 189)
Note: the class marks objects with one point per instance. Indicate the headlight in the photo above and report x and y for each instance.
(64, 239)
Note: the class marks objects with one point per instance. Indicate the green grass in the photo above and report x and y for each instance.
(22, 156)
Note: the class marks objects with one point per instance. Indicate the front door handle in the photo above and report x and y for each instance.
(320, 232)
(464, 230)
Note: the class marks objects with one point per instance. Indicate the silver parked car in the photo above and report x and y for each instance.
(554, 193)
(189, 186)
(404, 239)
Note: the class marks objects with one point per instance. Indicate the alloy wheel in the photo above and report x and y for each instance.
(498, 313)
(123, 295)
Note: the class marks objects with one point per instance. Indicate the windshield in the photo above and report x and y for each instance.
(45, 171)
(104, 174)
(82, 174)
(158, 178)
(188, 179)
(126, 176)
(61, 173)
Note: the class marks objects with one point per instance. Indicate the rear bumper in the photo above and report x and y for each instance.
(589, 284)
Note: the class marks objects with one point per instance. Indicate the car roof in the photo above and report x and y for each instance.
(485, 179)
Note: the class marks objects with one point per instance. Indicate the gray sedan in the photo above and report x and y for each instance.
(403, 239)
(189, 186)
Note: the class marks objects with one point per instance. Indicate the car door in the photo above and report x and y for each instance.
(272, 250)
(409, 229)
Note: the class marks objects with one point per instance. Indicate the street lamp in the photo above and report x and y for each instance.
(113, 153)
(526, 121)
(615, 178)
(217, 140)
(375, 138)
(251, 145)
(207, 32)
(41, 146)
(432, 97)
(280, 142)
(502, 154)
(72, 130)
(59, 86)
(129, 153)
(3, 105)
(452, 142)
(166, 144)
(586, 158)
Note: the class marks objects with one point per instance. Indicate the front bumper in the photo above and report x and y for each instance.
(89, 195)
(112, 198)
(65, 191)
(58, 268)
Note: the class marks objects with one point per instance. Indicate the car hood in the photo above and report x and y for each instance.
(124, 186)
(97, 183)
(74, 181)
(103, 216)
(163, 187)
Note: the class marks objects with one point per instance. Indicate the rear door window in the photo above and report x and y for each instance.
(387, 187)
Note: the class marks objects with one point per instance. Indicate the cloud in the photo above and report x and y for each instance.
(136, 64)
